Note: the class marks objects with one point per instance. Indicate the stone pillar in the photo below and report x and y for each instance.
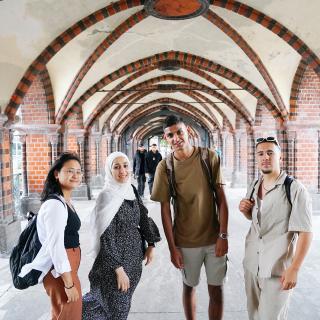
(116, 142)
(224, 149)
(83, 191)
(109, 142)
(22, 138)
(54, 147)
(235, 178)
(97, 180)
(252, 167)
(9, 226)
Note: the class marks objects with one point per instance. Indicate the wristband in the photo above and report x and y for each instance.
(69, 287)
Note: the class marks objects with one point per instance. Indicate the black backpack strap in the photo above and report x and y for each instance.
(136, 192)
(206, 165)
(253, 188)
(55, 197)
(170, 175)
(287, 184)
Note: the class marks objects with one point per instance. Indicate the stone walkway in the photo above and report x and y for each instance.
(158, 296)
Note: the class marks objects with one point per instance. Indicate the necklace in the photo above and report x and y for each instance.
(272, 185)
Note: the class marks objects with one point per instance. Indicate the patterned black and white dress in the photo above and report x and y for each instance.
(120, 245)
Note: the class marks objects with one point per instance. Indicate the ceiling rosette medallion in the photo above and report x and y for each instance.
(176, 9)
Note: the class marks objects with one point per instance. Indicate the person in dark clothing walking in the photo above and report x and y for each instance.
(153, 158)
(139, 168)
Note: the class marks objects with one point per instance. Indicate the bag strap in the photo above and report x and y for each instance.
(55, 196)
(170, 175)
(253, 188)
(287, 184)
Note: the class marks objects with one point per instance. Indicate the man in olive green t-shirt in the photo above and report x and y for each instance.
(195, 238)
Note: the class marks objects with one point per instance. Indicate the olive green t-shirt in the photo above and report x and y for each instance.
(195, 223)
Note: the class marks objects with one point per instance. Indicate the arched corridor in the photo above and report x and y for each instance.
(101, 76)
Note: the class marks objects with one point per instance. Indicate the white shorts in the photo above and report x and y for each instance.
(194, 258)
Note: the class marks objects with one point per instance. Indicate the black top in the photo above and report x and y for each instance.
(152, 160)
(71, 234)
(139, 163)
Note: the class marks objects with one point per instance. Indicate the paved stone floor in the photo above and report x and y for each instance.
(158, 296)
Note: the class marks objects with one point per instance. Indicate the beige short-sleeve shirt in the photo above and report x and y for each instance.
(270, 243)
(194, 223)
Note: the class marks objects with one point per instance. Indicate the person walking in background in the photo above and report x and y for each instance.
(153, 158)
(120, 226)
(58, 229)
(140, 167)
(279, 237)
(199, 235)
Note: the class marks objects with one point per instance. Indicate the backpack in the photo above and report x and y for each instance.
(26, 250)
(287, 184)
(206, 166)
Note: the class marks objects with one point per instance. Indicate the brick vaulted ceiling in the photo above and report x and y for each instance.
(114, 63)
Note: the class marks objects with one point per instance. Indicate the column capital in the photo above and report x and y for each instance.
(54, 139)
(46, 129)
(3, 119)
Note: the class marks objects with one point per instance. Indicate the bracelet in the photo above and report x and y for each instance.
(223, 235)
(69, 287)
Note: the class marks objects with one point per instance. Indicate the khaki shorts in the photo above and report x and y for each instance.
(194, 258)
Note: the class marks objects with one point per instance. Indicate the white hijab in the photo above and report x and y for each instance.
(109, 202)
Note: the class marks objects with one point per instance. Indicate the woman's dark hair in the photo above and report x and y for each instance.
(51, 184)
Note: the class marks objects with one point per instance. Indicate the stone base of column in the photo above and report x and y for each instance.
(9, 234)
(30, 203)
(238, 180)
(83, 192)
(316, 203)
(97, 182)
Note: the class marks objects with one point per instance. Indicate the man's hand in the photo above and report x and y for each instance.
(246, 206)
(122, 280)
(289, 278)
(221, 247)
(176, 258)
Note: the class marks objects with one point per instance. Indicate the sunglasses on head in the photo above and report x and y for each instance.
(268, 139)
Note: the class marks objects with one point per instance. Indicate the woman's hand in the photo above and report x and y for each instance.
(122, 280)
(149, 255)
(72, 294)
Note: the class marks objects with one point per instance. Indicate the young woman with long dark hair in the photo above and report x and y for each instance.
(58, 225)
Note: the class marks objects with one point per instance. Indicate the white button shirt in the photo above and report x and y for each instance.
(51, 222)
(270, 243)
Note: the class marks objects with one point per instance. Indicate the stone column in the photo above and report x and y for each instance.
(97, 181)
(236, 181)
(251, 164)
(109, 142)
(9, 227)
(22, 138)
(116, 142)
(54, 147)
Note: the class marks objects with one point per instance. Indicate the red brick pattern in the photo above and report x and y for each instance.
(38, 161)
(34, 108)
(6, 200)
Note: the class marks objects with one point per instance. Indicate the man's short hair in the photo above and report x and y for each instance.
(171, 121)
(154, 145)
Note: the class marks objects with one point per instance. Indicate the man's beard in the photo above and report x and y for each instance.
(266, 171)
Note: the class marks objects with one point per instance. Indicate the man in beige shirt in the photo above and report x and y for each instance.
(195, 237)
(279, 236)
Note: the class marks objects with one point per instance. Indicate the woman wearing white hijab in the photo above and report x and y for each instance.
(118, 221)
